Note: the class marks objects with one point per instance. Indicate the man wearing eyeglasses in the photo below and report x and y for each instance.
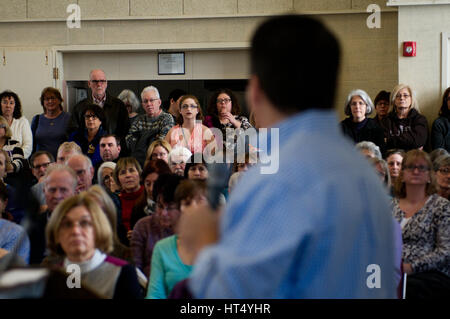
(39, 163)
(148, 127)
(116, 113)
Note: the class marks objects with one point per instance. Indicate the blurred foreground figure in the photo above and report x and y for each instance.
(330, 235)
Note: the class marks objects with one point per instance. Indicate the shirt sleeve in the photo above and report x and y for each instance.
(27, 137)
(156, 286)
(137, 245)
(438, 134)
(438, 258)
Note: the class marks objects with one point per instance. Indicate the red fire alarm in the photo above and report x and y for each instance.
(409, 48)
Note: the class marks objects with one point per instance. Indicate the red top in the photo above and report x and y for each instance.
(128, 200)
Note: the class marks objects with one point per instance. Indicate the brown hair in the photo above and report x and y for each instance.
(411, 156)
(55, 92)
(123, 163)
(199, 108)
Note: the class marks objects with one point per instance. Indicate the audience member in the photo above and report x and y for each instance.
(12, 147)
(177, 159)
(189, 131)
(39, 163)
(80, 232)
(145, 204)
(381, 103)
(394, 160)
(50, 128)
(150, 126)
(441, 166)
(131, 103)
(152, 228)
(404, 127)
(437, 153)
(89, 134)
(127, 176)
(357, 126)
(224, 114)
(11, 110)
(60, 183)
(383, 171)
(174, 103)
(196, 168)
(369, 149)
(82, 166)
(67, 150)
(425, 220)
(105, 177)
(116, 114)
(171, 259)
(159, 149)
(13, 237)
(440, 130)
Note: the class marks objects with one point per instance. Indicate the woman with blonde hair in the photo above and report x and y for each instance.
(424, 217)
(80, 232)
(158, 149)
(405, 127)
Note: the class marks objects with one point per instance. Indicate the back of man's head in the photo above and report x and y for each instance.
(296, 60)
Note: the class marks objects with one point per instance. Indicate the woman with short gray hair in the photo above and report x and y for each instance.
(441, 167)
(357, 126)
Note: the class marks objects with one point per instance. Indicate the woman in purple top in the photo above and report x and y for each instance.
(49, 128)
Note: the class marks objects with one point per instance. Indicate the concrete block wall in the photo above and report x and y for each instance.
(369, 59)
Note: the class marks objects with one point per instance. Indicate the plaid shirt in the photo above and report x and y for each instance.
(160, 125)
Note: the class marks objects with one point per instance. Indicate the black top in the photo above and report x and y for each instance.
(367, 130)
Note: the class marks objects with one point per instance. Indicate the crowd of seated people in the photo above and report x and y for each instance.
(120, 187)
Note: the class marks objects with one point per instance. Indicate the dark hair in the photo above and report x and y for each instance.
(98, 111)
(55, 92)
(39, 153)
(176, 94)
(111, 135)
(165, 187)
(188, 188)
(293, 56)
(381, 96)
(192, 161)
(444, 111)
(392, 151)
(212, 104)
(17, 114)
(159, 167)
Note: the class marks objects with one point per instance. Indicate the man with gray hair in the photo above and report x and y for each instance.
(115, 110)
(148, 127)
(82, 166)
(178, 158)
(60, 183)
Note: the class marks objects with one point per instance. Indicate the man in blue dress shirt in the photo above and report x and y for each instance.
(321, 226)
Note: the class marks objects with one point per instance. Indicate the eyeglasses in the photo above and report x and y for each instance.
(50, 98)
(186, 106)
(170, 207)
(404, 96)
(68, 224)
(444, 170)
(226, 100)
(149, 101)
(90, 116)
(98, 81)
(421, 168)
(45, 165)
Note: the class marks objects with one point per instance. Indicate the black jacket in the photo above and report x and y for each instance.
(407, 134)
(370, 131)
(117, 121)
